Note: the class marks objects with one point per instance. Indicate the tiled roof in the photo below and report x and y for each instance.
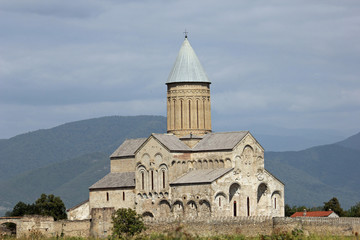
(220, 141)
(201, 176)
(171, 142)
(209, 142)
(313, 214)
(187, 67)
(128, 147)
(115, 180)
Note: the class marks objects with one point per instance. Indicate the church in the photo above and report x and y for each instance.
(189, 171)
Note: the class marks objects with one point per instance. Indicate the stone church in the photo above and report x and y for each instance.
(189, 171)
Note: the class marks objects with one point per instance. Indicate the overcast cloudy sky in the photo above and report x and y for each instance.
(287, 64)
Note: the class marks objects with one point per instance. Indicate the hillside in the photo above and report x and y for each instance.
(43, 147)
(315, 175)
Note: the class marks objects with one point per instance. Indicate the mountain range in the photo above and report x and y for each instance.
(67, 159)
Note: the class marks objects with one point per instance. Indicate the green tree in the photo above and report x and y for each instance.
(126, 223)
(334, 205)
(49, 205)
(46, 205)
(354, 211)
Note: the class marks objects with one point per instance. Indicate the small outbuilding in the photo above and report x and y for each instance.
(329, 213)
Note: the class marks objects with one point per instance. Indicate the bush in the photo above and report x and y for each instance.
(126, 223)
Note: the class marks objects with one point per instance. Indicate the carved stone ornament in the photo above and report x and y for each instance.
(260, 174)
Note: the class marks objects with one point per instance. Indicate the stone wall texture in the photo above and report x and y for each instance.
(248, 226)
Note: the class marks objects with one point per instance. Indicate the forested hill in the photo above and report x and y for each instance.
(315, 175)
(43, 147)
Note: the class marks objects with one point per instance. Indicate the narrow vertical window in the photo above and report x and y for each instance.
(123, 196)
(189, 114)
(204, 113)
(174, 115)
(235, 212)
(181, 110)
(163, 178)
(142, 181)
(248, 206)
(275, 203)
(219, 201)
(197, 114)
(152, 179)
(107, 196)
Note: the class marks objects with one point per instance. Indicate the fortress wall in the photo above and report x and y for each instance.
(249, 226)
(321, 226)
(101, 225)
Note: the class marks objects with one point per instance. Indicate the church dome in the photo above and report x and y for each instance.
(187, 67)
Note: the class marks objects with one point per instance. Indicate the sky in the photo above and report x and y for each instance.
(272, 64)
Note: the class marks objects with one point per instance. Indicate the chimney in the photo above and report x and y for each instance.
(304, 214)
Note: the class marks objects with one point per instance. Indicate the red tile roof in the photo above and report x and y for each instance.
(313, 214)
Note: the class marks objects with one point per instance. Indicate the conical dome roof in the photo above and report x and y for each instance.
(187, 67)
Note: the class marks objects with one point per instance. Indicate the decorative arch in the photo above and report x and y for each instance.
(205, 164)
(220, 198)
(234, 190)
(147, 214)
(221, 163)
(191, 209)
(165, 208)
(204, 208)
(228, 163)
(263, 190)
(247, 154)
(158, 158)
(178, 208)
(145, 159)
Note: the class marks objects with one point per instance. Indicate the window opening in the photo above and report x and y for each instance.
(142, 181)
(204, 113)
(189, 114)
(163, 178)
(181, 109)
(107, 196)
(219, 201)
(123, 196)
(248, 206)
(152, 180)
(197, 114)
(235, 209)
(275, 202)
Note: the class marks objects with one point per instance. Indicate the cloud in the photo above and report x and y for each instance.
(288, 62)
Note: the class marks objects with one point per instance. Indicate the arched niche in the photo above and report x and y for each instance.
(165, 208)
(234, 190)
(178, 208)
(191, 209)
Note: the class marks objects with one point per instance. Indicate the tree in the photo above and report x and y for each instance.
(334, 205)
(49, 205)
(46, 205)
(126, 223)
(354, 211)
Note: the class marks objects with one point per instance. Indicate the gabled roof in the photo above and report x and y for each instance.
(313, 214)
(220, 141)
(171, 142)
(201, 176)
(115, 180)
(128, 148)
(187, 67)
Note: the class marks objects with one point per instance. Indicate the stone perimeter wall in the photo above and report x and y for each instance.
(253, 226)
(248, 226)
